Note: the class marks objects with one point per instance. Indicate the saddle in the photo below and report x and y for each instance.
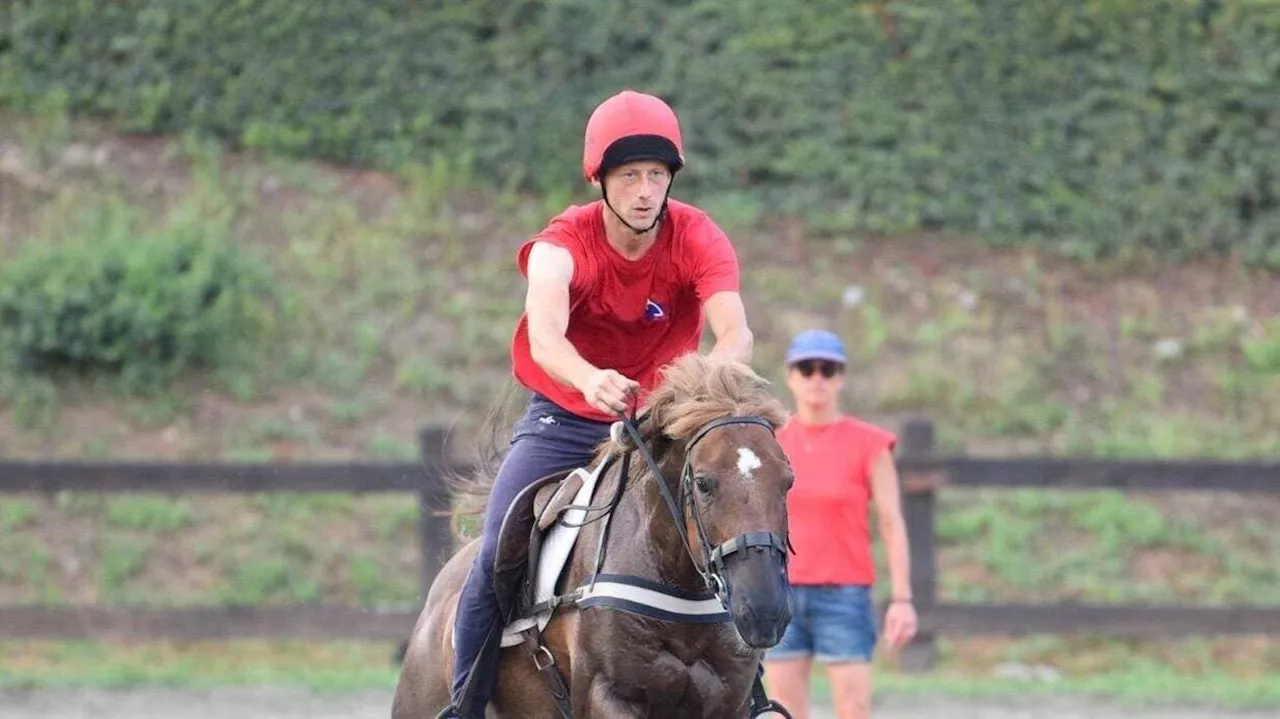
(521, 538)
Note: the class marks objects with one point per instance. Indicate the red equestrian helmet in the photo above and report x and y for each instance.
(631, 126)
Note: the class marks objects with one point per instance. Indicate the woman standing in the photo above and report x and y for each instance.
(843, 465)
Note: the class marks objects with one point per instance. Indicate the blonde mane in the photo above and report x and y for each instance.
(695, 390)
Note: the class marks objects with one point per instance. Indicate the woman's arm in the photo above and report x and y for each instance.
(900, 620)
(893, 528)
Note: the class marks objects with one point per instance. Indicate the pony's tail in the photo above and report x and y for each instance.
(471, 488)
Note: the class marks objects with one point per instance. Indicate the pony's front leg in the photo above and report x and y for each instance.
(603, 703)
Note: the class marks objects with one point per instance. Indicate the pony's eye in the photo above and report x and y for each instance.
(705, 484)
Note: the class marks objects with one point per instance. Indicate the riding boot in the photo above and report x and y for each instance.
(477, 635)
(478, 682)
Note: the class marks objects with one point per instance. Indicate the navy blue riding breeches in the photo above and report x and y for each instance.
(546, 439)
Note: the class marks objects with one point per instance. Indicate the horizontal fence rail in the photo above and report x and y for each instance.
(1128, 620)
(355, 477)
(927, 473)
(314, 623)
(920, 474)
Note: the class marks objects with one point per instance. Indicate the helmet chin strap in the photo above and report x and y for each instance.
(662, 211)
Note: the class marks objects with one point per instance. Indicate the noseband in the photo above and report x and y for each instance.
(711, 564)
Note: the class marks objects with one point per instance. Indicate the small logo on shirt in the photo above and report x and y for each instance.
(653, 311)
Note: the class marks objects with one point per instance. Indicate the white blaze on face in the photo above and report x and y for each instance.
(748, 462)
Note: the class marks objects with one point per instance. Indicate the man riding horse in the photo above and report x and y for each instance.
(617, 289)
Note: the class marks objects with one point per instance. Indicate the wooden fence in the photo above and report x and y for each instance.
(923, 473)
(424, 478)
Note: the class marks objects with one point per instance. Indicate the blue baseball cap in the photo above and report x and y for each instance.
(816, 345)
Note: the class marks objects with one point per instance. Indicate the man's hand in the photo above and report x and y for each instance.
(608, 391)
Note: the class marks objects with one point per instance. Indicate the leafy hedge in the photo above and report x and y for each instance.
(117, 298)
(1100, 126)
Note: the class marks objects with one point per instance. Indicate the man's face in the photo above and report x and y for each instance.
(636, 190)
(815, 382)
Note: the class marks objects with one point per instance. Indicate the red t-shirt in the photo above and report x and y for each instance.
(634, 317)
(828, 505)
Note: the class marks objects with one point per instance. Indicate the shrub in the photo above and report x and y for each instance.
(141, 305)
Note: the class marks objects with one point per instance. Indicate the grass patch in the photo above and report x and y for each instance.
(122, 559)
(256, 581)
(15, 514)
(1138, 687)
(1095, 546)
(150, 514)
(332, 667)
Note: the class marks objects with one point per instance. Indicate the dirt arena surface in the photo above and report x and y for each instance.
(292, 704)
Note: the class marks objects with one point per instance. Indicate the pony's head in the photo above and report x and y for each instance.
(730, 478)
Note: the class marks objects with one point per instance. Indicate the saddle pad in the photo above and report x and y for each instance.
(554, 554)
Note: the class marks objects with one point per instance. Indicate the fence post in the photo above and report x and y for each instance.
(435, 533)
(919, 502)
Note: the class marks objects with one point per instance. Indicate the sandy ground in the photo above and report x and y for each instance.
(286, 704)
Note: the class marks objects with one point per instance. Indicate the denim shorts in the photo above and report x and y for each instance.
(831, 623)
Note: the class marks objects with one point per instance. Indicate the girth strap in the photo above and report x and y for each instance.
(760, 701)
(545, 661)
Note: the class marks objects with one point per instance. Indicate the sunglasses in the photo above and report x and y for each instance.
(828, 369)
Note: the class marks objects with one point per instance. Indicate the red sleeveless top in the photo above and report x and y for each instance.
(828, 504)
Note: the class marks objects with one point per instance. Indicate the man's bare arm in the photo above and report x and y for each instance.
(550, 269)
(728, 320)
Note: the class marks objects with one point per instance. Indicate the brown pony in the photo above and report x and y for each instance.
(706, 453)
